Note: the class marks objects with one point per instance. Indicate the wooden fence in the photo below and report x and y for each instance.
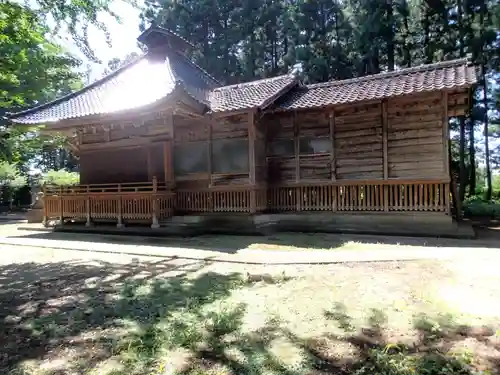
(153, 202)
(222, 199)
(389, 195)
(133, 202)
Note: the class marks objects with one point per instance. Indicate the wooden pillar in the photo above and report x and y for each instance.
(168, 162)
(168, 149)
(61, 206)
(447, 157)
(446, 162)
(296, 147)
(119, 224)
(154, 205)
(385, 154)
(88, 223)
(210, 198)
(333, 161)
(45, 220)
(298, 189)
(251, 160)
(149, 161)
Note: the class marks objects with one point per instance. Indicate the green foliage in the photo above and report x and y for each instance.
(10, 176)
(61, 177)
(76, 16)
(386, 362)
(32, 69)
(477, 207)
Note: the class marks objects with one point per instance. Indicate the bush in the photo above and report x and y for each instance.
(61, 177)
(477, 207)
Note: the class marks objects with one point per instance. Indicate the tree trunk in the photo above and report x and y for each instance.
(407, 46)
(390, 36)
(427, 40)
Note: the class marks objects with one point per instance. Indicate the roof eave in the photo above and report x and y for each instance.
(40, 107)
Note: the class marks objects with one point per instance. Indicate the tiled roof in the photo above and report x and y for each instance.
(255, 94)
(146, 81)
(440, 76)
(140, 83)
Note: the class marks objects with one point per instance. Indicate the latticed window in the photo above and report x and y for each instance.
(230, 156)
(190, 158)
(282, 147)
(313, 145)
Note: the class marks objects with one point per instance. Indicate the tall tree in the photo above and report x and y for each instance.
(32, 70)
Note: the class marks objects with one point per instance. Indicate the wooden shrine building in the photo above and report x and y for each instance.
(160, 141)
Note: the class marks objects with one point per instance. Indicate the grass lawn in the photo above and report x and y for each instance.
(65, 312)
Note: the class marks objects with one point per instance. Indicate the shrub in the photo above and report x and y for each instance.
(477, 207)
(61, 177)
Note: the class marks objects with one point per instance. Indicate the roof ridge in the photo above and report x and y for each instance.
(255, 82)
(78, 92)
(414, 69)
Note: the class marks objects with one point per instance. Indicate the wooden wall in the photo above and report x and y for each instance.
(196, 132)
(280, 150)
(358, 142)
(395, 138)
(230, 128)
(348, 142)
(415, 137)
(214, 136)
(114, 166)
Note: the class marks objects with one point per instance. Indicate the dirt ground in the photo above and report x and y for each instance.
(73, 312)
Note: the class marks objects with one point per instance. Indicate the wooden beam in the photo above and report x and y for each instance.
(251, 157)
(168, 150)
(384, 139)
(333, 161)
(166, 160)
(209, 147)
(297, 145)
(446, 164)
(122, 143)
(217, 115)
(251, 145)
(149, 158)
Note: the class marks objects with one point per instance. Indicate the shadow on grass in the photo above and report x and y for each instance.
(84, 313)
(152, 317)
(233, 243)
(433, 352)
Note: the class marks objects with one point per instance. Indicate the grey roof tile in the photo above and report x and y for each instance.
(255, 94)
(140, 83)
(145, 81)
(433, 77)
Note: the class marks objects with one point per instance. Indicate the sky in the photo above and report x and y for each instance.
(123, 38)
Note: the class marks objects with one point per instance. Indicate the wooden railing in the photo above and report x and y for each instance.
(134, 202)
(395, 195)
(222, 199)
(153, 202)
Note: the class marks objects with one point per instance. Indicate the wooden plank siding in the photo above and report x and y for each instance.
(384, 156)
(415, 137)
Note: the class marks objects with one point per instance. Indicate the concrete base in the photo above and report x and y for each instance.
(35, 215)
(399, 223)
(430, 224)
